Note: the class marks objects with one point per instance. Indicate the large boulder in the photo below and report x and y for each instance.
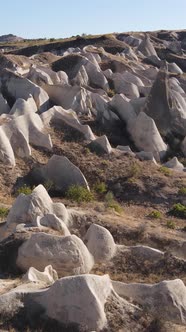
(60, 172)
(67, 254)
(100, 243)
(20, 87)
(78, 299)
(4, 107)
(22, 107)
(174, 164)
(58, 115)
(27, 208)
(100, 145)
(166, 106)
(165, 300)
(146, 47)
(147, 137)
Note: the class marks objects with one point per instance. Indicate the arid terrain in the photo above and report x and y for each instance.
(93, 183)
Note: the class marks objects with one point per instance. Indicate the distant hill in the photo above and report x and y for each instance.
(9, 38)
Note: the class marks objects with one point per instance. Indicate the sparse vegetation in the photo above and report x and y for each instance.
(165, 170)
(79, 194)
(24, 190)
(112, 203)
(178, 210)
(171, 224)
(100, 187)
(155, 214)
(49, 185)
(134, 170)
(3, 212)
(182, 191)
(111, 93)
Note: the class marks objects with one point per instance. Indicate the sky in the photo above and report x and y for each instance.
(60, 19)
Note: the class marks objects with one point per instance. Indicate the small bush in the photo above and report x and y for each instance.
(79, 194)
(182, 191)
(111, 93)
(165, 170)
(24, 190)
(155, 214)
(112, 203)
(100, 187)
(49, 185)
(171, 224)
(134, 170)
(178, 210)
(3, 212)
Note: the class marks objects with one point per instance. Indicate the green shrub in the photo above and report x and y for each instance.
(165, 170)
(182, 191)
(3, 212)
(134, 170)
(178, 210)
(155, 214)
(112, 203)
(79, 194)
(111, 93)
(24, 190)
(100, 187)
(49, 184)
(171, 224)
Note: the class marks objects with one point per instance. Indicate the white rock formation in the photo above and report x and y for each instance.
(174, 164)
(147, 137)
(61, 173)
(67, 254)
(19, 87)
(22, 107)
(83, 301)
(46, 278)
(27, 208)
(4, 107)
(53, 222)
(57, 114)
(166, 300)
(100, 243)
(101, 145)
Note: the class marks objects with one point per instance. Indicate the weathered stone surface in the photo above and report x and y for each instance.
(53, 222)
(100, 243)
(46, 278)
(57, 114)
(147, 137)
(166, 300)
(61, 173)
(100, 145)
(67, 254)
(83, 301)
(174, 164)
(27, 208)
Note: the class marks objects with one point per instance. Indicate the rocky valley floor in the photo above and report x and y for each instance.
(93, 184)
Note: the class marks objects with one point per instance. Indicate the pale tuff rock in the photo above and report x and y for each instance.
(166, 300)
(57, 114)
(100, 145)
(146, 47)
(61, 173)
(19, 87)
(83, 302)
(100, 243)
(4, 107)
(67, 254)
(147, 137)
(22, 107)
(46, 278)
(174, 164)
(27, 208)
(53, 222)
